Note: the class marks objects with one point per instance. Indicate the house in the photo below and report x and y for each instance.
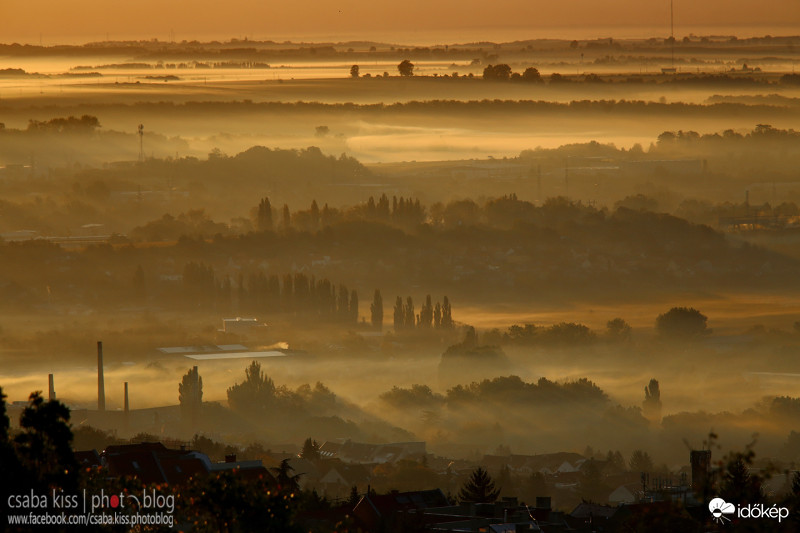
(88, 459)
(386, 511)
(340, 478)
(357, 452)
(241, 326)
(623, 494)
(152, 462)
(591, 513)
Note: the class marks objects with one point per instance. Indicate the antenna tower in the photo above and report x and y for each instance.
(672, 33)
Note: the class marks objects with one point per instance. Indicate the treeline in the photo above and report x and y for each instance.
(565, 333)
(298, 293)
(503, 72)
(762, 133)
(758, 111)
(401, 212)
(186, 65)
(507, 390)
(84, 124)
(261, 293)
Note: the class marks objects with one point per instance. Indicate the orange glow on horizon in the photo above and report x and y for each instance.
(92, 20)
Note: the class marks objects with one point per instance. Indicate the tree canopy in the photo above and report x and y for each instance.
(406, 68)
(682, 323)
(479, 488)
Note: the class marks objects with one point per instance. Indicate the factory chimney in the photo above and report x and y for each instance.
(52, 395)
(101, 387)
(126, 399)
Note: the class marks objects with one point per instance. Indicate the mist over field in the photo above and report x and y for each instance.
(530, 247)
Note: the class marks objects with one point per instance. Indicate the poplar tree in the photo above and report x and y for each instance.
(376, 310)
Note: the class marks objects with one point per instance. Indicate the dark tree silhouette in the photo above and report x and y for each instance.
(406, 68)
(264, 215)
(618, 330)
(500, 72)
(479, 488)
(426, 313)
(354, 498)
(255, 394)
(738, 485)
(190, 396)
(399, 315)
(354, 71)
(376, 310)
(615, 459)
(44, 446)
(310, 450)
(682, 323)
(641, 461)
(592, 486)
(315, 216)
(287, 218)
(9, 463)
(5, 424)
(447, 316)
(409, 317)
(651, 406)
(286, 479)
(531, 74)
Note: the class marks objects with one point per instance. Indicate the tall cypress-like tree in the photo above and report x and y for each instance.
(287, 218)
(376, 310)
(264, 216)
(651, 406)
(190, 395)
(343, 305)
(426, 313)
(314, 212)
(479, 488)
(310, 450)
(353, 306)
(399, 315)
(410, 316)
(447, 316)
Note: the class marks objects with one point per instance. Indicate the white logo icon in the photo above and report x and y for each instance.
(719, 508)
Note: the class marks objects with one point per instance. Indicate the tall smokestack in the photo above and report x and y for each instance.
(101, 386)
(126, 398)
(52, 395)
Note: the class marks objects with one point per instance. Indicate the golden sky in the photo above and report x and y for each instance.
(55, 21)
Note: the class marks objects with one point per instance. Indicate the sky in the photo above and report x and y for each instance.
(57, 21)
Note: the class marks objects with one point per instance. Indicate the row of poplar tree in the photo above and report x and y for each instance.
(303, 294)
(429, 316)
